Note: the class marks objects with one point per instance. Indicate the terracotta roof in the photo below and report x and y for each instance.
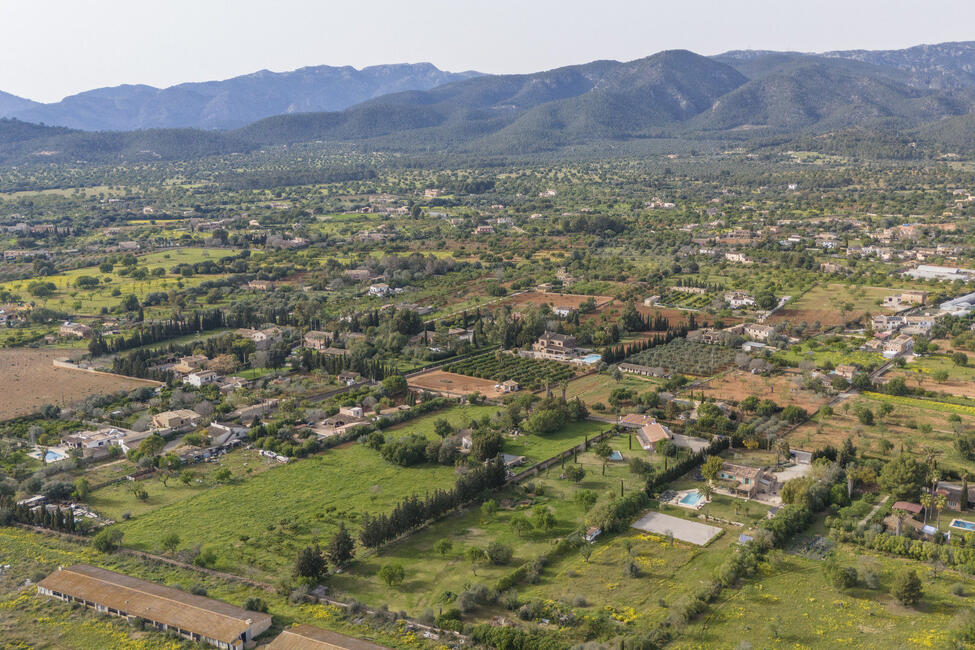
(635, 420)
(653, 433)
(307, 637)
(205, 616)
(907, 506)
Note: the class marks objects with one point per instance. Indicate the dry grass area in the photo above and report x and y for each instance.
(30, 381)
(902, 428)
(952, 386)
(823, 304)
(678, 317)
(450, 382)
(556, 300)
(782, 389)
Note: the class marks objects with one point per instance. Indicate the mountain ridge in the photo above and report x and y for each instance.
(230, 103)
(674, 94)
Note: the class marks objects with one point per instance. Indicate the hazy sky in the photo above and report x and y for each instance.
(53, 48)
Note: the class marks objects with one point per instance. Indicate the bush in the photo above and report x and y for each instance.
(255, 604)
(107, 540)
(499, 554)
(907, 588)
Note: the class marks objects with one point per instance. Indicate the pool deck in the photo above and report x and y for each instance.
(676, 500)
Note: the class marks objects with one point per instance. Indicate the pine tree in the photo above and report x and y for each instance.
(342, 548)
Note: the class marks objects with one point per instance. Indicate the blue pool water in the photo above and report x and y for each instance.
(965, 525)
(691, 498)
(616, 456)
(591, 359)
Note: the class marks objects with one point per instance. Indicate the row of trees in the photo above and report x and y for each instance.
(413, 511)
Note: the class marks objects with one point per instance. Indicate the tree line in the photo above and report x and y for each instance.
(413, 511)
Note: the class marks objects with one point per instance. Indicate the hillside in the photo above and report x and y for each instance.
(813, 93)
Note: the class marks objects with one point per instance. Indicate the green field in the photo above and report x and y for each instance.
(596, 388)
(834, 352)
(428, 575)
(534, 448)
(284, 509)
(66, 297)
(115, 500)
(791, 605)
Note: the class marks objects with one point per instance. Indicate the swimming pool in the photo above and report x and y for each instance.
(591, 359)
(49, 457)
(616, 456)
(964, 525)
(691, 498)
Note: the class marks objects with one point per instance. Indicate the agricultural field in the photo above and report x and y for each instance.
(823, 304)
(600, 580)
(783, 389)
(938, 374)
(790, 604)
(67, 297)
(595, 388)
(684, 300)
(32, 381)
(532, 374)
(256, 525)
(453, 384)
(835, 351)
(117, 501)
(556, 300)
(686, 357)
(905, 428)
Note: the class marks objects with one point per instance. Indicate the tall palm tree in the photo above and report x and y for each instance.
(926, 500)
(940, 502)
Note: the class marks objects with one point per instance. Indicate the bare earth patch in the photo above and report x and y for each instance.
(30, 381)
(452, 383)
(739, 384)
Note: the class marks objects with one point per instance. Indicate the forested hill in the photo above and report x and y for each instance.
(836, 100)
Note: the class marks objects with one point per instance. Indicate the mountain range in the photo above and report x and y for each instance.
(230, 103)
(926, 91)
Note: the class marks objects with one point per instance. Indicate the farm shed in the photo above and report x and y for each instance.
(192, 617)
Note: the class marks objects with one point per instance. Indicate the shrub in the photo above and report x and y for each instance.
(499, 554)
